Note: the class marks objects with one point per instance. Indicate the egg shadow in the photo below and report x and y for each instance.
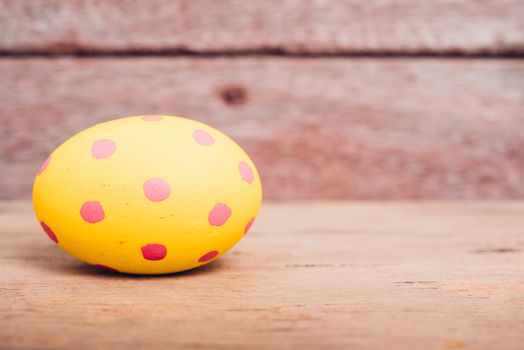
(212, 267)
(93, 271)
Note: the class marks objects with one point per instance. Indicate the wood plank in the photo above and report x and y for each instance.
(353, 26)
(309, 276)
(317, 128)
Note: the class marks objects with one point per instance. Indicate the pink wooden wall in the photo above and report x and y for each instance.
(376, 99)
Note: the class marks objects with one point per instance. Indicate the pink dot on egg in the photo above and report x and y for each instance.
(49, 232)
(106, 268)
(208, 256)
(44, 165)
(203, 138)
(156, 190)
(151, 118)
(92, 212)
(248, 226)
(103, 148)
(219, 214)
(154, 251)
(246, 172)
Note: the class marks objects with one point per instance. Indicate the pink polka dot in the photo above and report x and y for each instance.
(44, 165)
(103, 148)
(219, 214)
(208, 256)
(246, 172)
(49, 232)
(154, 251)
(106, 268)
(248, 226)
(151, 118)
(92, 212)
(156, 190)
(203, 138)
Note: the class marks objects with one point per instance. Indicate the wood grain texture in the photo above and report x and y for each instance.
(309, 276)
(316, 128)
(327, 26)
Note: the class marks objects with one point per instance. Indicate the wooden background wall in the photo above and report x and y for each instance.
(374, 99)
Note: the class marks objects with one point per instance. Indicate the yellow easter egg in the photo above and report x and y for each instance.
(147, 194)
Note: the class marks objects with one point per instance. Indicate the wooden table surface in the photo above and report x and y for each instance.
(309, 275)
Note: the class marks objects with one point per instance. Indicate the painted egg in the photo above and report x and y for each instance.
(147, 194)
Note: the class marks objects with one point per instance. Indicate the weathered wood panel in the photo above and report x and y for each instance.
(332, 26)
(317, 128)
(308, 276)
